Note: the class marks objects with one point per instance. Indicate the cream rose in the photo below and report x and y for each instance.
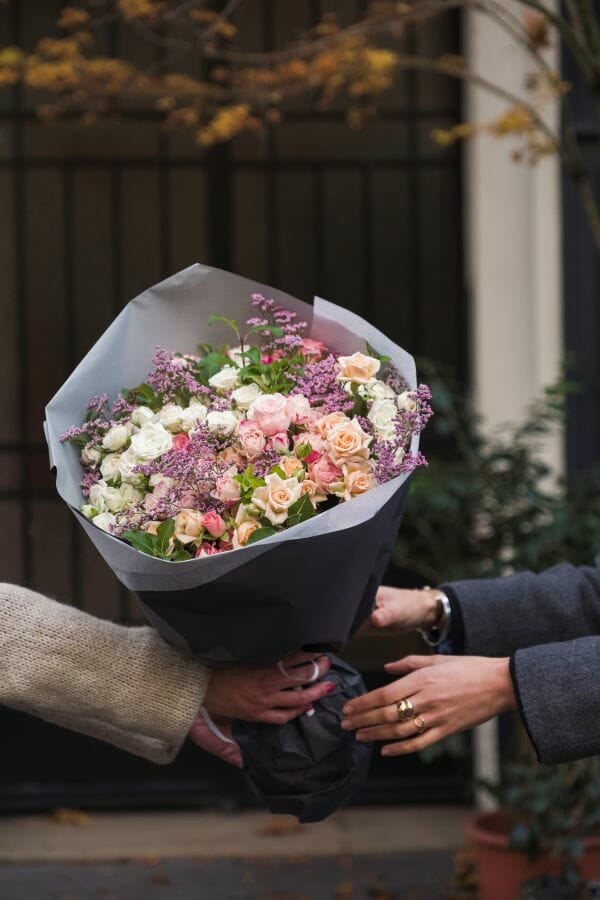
(269, 411)
(245, 395)
(225, 380)
(116, 437)
(276, 497)
(188, 526)
(90, 455)
(192, 414)
(97, 496)
(316, 494)
(348, 440)
(141, 415)
(127, 462)
(151, 441)
(379, 390)
(406, 401)
(222, 423)
(357, 481)
(170, 417)
(105, 521)
(110, 467)
(357, 368)
(383, 415)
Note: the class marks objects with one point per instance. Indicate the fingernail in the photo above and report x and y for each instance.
(330, 688)
(347, 724)
(310, 711)
(360, 736)
(385, 751)
(348, 709)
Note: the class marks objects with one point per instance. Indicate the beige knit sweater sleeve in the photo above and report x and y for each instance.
(122, 685)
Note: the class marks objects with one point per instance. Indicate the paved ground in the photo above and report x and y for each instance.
(410, 876)
(358, 854)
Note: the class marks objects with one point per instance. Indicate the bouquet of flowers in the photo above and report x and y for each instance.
(217, 490)
(226, 447)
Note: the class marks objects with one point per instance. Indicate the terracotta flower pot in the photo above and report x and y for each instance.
(501, 870)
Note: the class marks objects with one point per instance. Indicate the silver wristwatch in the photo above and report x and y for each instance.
(438, 634)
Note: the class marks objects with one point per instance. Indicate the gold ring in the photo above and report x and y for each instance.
(405, 710)
(420, 724)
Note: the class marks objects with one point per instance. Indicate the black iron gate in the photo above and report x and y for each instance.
(91, 216)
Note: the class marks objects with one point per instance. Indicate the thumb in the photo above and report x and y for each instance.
(412, 663)
(383, 616)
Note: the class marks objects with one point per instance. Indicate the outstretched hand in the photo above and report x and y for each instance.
(448, 694)
(398, 611)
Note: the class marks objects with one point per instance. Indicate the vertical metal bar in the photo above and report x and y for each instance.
(271, 187)
(164, 207)
(415, 256)
(75, 573)
(19, 214)
(320, 270)
(366, 218)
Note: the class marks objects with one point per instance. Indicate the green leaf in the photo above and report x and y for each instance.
(212, 320)
(142, 541)
(180, 555)
(252, 354)
(164, 533)
(371, 352)
(277, 470)
(303, 450)
(300, 511)
(262, 533)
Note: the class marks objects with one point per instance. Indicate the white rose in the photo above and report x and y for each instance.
(246, 395)
(379, 390)
(222, 422)
(115, 501)
(104, 521)
(151, 441)
(170, 417)
(406, 401)
(141, 415)
(399, 455)
(359, 368)
(383, 414)
(98, 496)
(127, 463)
(116, 437)
(192, 414)
(91, 456)
(110, 467)
(88, 511)
(225, 380)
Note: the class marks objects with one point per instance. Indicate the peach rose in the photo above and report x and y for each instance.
(327, 423)
(251, 439)
(213, 523)
(151, 527)
(290, 465)
(310, 487)
(357, 482)
(347, 440)
(241, 535)
(229, 455)
(358, 368)
(325, 473)
(269, 412)
(276, 497)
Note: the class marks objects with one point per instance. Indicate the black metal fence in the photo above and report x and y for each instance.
(92, 215)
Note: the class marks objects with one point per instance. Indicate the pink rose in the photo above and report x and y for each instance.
(213, 523)
(269, 412)
(299, 409)
(325, 472)
(313, 350)
(227, 489)
(251, 439)
(280, 442)
(180, 441)
(206, 549)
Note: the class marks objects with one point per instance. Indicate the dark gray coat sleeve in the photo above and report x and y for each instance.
(549, 624)
(497, 616)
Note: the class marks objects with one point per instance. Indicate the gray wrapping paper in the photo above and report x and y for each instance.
(311, 585)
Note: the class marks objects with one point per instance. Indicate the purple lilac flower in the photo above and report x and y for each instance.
(318, 383)
(88, 480)
(172, 376)
(285, 319)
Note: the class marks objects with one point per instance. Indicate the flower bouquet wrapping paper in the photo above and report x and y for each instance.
(309, 586)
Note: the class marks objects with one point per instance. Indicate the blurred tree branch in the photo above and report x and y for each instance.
(356, 61)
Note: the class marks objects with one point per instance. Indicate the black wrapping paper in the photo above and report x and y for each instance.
(309, 767)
